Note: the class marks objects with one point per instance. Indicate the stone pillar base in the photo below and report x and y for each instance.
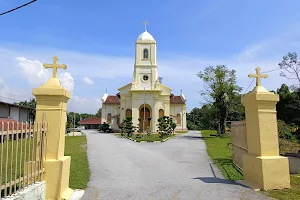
(57, 174)
(266, 172)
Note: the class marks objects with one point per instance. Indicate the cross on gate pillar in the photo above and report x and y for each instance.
(51, 99)
(263, 167)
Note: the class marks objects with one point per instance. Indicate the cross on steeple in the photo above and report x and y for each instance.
(145, 23)
(54, 66)
(258, 76)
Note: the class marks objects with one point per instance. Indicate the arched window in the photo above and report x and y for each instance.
(109, 118)
(145, 54)
(161, 113)
(178, 119)
(128, 113)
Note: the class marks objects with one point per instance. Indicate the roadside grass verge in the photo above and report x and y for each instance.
(220, 152)
(79, 173)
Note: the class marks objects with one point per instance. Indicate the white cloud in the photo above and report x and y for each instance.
(34, 72)
(179, 72)
(87, 81)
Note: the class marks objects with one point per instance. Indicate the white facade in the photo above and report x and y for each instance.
(145, 97)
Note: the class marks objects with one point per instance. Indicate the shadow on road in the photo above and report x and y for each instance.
(190, 137)
(218, 180)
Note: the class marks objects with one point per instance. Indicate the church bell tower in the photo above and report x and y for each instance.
(145, 73)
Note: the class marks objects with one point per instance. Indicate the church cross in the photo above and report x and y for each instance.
(145, 23)
(54, 66)
(258, 76)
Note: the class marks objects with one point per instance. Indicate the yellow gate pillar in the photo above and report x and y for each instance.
(263, 168)
(51, 99)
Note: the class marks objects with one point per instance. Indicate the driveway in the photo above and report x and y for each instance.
(177, 169)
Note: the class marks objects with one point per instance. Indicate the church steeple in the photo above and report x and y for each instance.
(145, 69)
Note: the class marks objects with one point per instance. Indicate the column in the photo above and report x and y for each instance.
(263, 168)
(51, 101)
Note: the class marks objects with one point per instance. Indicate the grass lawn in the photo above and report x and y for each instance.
(80, 172)
(221, 154)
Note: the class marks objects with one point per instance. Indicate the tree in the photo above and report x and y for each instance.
(99, 113)
(104, 127)
(127, 127)
(220, 86)
(173, 126)
(164, 126)
(288, 107)
(290, 68)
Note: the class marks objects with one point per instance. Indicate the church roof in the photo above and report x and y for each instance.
(112, 99)
(145, 36)
(176, 99)
(90, 120)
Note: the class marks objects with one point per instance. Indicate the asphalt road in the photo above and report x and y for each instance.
(177, 169)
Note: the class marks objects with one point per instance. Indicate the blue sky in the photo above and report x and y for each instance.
(96, 39)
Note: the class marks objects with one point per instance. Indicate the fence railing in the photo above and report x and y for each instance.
(239, 142)
(22, 155)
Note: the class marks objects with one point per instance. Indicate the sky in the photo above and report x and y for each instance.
(96, 40)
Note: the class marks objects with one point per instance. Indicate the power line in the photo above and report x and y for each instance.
(16, 102)
(26, 4)
(271, 70)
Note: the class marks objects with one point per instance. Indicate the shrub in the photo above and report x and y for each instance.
(286, 131)
(127, 128)
(165, 126)
(104, 127)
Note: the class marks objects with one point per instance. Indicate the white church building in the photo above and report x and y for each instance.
(145, 99)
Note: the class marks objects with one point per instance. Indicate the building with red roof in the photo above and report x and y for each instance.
(90, 122)
(145, 99)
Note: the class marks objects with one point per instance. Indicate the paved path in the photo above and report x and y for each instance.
(176, 169)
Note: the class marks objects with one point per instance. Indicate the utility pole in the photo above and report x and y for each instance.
(73, 123)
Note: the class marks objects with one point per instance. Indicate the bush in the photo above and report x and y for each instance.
(286, 131)
(165, 126)
(126, 127)
(104, 127)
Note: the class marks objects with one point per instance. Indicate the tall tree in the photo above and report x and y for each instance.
(99, 113)
(290, 68)
(220, 86)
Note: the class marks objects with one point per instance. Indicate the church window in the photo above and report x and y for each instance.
(109, 118)
(145, 77)
(145, 54)
(178, 119)
(161, 113)
(128, 113)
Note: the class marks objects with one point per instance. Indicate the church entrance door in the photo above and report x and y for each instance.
(145, 115)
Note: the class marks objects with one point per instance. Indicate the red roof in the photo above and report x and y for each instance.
(13, 124)
(176, 99)
(90, 120)
(112, 100)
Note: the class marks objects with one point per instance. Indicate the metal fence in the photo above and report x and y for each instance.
(22, 155)
(239, 142)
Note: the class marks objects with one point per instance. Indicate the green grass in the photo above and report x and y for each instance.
(221, 154)
(287, 194)
(80, 173)
(8, 147)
